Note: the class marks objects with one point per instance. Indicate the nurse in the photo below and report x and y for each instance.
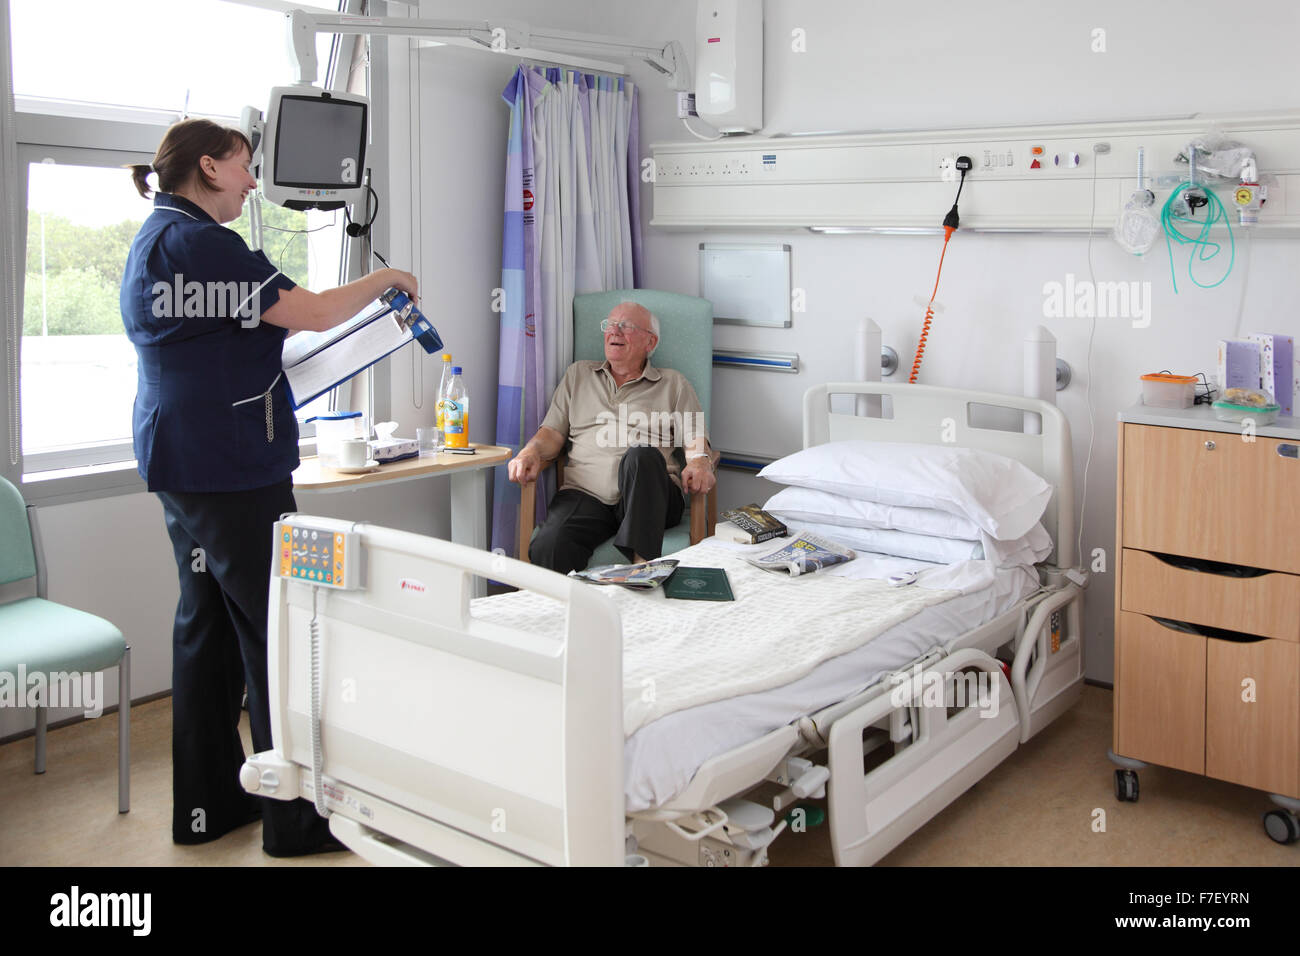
(216, 439)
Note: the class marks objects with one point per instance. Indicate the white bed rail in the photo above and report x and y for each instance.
(872, 812)
(477, 743)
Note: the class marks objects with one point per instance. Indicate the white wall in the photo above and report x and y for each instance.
(879, 66)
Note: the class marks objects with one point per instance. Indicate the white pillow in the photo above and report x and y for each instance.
(1027, 551)
(811, 506)
(1002, 496)
(823, 507)
(901, 544)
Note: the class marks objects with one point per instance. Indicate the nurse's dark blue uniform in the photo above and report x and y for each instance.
(217, 440)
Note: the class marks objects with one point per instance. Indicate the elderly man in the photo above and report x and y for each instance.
(637, 444)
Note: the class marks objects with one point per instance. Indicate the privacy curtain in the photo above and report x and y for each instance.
(572, 225)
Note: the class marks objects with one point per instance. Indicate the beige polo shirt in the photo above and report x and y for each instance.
(601, 420)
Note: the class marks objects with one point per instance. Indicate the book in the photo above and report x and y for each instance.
(699, 584)
(803, 555)
(753, 521)
(645, 576)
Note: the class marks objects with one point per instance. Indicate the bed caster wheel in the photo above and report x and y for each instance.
(1126, 786)
(1282, 826)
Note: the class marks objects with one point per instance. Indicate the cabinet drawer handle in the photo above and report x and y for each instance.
(1219, 633)
(1209, 446)
(1288, 450)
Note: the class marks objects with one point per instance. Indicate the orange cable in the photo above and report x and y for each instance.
(929, 312)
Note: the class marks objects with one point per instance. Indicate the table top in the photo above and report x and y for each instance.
(1203, 418)
(311, 475)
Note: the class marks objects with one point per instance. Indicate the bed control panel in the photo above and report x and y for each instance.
(319, 555)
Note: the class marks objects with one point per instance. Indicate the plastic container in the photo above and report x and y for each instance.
(1169, 391)
(442, 393)
(454, 412)
(331, 430)
(1261, 414)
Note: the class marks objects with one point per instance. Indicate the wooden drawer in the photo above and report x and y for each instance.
(1268, 605)
(1159, 694)
(1211, 495)
(1253, 742)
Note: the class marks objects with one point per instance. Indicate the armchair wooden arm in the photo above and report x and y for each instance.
(703, 507)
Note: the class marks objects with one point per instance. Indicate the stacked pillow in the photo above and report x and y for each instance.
(928, 502)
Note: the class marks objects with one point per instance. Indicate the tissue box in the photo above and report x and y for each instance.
(1239, 364)
(394, 449)
(1277, 369)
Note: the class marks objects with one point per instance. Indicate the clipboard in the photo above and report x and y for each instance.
(316, 362)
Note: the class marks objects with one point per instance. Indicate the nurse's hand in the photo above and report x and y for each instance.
(404, 282)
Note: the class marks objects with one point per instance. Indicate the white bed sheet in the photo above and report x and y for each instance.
(661, 758)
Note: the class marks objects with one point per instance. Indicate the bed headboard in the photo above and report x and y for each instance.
(930, 415)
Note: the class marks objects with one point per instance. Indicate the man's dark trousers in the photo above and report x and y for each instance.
(576, 523)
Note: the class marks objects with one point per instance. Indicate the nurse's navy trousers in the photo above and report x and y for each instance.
(223, 545)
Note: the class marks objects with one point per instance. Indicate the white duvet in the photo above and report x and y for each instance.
(680, 654)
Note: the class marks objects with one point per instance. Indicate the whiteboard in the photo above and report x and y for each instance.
(748, 283)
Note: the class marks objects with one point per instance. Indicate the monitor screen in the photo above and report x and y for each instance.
(319, 142)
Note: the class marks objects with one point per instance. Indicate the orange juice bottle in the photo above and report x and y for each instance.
(454, 410)
(442, 394)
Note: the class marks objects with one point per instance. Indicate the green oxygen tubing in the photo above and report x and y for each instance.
(1203, 248)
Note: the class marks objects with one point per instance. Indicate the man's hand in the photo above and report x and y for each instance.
(525, 466)
(698, 476)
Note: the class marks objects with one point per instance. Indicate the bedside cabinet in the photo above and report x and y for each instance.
(1207, 604)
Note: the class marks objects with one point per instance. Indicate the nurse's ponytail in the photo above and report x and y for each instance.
(182, 146)
(140, 176)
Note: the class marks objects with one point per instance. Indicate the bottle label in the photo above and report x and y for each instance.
(455, 423)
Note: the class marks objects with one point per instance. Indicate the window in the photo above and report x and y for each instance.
(204, 57)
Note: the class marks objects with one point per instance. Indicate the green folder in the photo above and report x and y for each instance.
(699, 584)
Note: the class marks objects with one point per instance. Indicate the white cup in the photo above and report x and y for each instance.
(354, 453)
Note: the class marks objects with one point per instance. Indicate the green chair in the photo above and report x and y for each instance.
(685, 345)
(47, 638)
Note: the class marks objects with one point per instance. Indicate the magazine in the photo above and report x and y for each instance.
(642, 577)
(753, 525)
(803, 555)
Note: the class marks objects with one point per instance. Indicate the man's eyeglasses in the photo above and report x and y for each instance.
(626, 328)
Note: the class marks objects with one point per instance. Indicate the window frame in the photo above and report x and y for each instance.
(115, 136)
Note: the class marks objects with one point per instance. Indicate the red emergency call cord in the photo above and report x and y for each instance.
(950, 223)
(929, 312)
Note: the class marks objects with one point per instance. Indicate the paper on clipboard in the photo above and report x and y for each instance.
(315, 362)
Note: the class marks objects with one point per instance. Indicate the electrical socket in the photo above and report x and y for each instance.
(685, 104)
(948, 169)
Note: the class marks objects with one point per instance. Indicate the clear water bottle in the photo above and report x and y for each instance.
(443, 383)
(455, 412)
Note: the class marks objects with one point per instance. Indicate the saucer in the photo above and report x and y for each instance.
(370, 465)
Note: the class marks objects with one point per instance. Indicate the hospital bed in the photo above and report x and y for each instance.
(431, 729)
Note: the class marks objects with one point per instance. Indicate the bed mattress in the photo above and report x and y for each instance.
(721, 675)
(660, 759)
